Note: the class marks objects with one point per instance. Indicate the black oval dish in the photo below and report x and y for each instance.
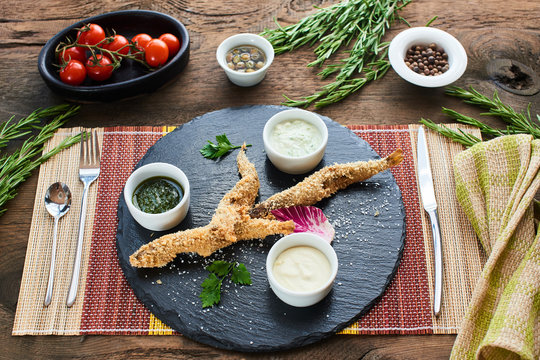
(131, 79)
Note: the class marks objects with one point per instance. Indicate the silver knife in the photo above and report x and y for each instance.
(427, 192)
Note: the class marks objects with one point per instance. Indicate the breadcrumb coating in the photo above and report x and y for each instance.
(325, 183)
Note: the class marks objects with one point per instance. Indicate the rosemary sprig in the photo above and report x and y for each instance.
(336, 27)
(517, 123)
(459, 136)
(10, 130)
(17, 167)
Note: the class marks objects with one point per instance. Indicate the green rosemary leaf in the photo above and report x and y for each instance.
(432, 20)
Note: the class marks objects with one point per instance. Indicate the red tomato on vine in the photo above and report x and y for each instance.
(156, 53)
(172, 43)
(119, 43)
(92, 35)
(73, 73)
(99, 68)
(141, 40)
(73, 53)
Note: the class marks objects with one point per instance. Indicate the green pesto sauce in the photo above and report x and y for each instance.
(157, 195)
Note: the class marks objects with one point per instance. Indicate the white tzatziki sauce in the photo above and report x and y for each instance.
(302, 269)
(295, 138)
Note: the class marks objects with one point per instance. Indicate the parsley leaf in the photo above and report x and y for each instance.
(211, 293)
(220, 268)
(222, 146)
(240, 275)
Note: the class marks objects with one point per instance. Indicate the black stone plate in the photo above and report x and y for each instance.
(131, 79)
(368, 218)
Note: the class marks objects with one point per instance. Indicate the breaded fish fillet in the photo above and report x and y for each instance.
(325, 183)
(229, 224)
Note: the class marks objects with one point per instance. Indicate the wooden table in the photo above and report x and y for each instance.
(493, 29)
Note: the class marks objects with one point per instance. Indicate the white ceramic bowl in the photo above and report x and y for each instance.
(290, 164)
(245, 79)
(165, 220)
(295, 298)
(457, 57)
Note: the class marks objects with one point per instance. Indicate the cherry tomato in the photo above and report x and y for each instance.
(172, 43)
(140, 41)
(92, 36)
(156, 53)
(73, 73)
(73, 53)
(119, 42)
(99, 70)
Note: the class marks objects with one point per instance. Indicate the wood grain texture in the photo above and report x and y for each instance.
(487, 29)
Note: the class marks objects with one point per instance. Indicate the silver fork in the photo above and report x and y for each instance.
(88, 172)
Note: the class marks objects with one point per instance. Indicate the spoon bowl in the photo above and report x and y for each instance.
(57, 203)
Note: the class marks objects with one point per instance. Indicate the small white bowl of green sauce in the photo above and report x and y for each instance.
(157, 196)
(295, 140)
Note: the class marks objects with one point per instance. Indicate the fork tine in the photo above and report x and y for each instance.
(83, 144)
(97, 155)
(90, 157)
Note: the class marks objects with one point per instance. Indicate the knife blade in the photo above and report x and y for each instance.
(427, 193)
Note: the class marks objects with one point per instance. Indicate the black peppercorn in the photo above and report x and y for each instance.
(429, 60)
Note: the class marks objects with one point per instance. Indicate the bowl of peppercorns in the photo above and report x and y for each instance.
(427, 57)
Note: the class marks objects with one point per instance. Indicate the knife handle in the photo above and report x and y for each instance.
(437, 257)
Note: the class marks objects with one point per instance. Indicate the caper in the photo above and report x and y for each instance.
(255, 54)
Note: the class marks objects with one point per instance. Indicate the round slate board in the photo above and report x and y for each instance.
(368, 218)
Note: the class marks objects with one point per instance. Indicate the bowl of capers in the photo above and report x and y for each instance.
(245, 58)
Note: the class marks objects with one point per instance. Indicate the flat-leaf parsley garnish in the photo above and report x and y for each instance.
(219, 270)
(222, 146)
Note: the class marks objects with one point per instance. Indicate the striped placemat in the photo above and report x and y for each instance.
(107, 305)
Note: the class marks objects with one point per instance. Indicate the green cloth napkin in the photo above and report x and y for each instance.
(496, 182)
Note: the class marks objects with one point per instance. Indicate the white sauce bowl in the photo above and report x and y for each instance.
(457, 57)
(296, 298)
(290, 164)
(168, 219)
(245, 79)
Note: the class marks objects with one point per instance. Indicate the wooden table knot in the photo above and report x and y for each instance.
(513, 76)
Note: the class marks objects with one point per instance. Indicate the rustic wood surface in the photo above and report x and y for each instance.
(492, 29)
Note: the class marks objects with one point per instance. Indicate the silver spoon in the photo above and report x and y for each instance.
(57, 203)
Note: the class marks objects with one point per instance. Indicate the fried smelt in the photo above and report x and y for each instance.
(325, 183)
(229, 224)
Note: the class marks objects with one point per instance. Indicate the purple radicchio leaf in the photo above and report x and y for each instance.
(307, 219)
